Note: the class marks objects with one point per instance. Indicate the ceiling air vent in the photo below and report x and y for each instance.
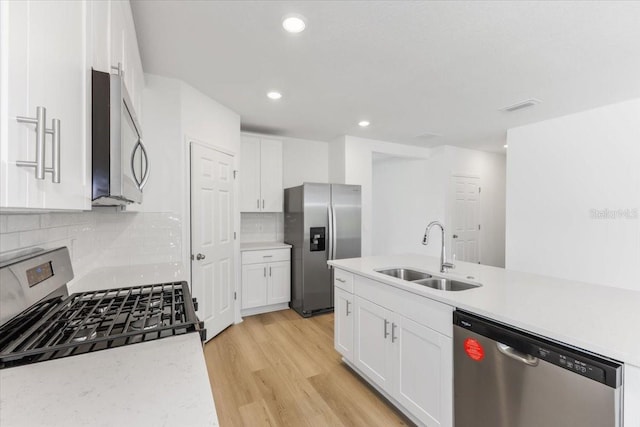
(520, 105)
(428, 135)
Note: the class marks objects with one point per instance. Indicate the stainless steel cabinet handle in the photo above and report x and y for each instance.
(145, 175)
(200, 257)
(386, 333)
(41, 131)
(55, 167)
(341, 280)
(265, 272)
(527, 359)
(267, 256)
(262, 203)
(269, 271)
(393, 332)
(258, 204)
(348, 312)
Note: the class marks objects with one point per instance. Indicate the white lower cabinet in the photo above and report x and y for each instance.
(343, 322)
(408, 356)
(423, 371)
(266, 281)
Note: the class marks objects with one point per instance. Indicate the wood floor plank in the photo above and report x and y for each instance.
(279, 369)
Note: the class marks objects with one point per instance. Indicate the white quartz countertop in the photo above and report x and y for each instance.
(157, 383)
(600, 319)
(259, 246)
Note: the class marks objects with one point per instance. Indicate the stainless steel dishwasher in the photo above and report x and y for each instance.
(504, 377)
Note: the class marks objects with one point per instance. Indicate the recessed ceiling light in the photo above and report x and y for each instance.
(294, 23)
(274, 95)
(363, 123)
(506, 145)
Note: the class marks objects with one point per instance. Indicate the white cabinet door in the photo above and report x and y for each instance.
(43, 46)
(250, 200)
(254, 285)
(279, 286)
(373, 350)
(271, 175)
(343, 323)
(423, 374)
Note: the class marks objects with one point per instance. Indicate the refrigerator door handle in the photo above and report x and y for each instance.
(334, 233)
(330, 237)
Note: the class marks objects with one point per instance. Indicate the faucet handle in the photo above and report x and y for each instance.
(448, 265)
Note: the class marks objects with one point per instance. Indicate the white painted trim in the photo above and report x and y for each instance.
(218, 148)
(265, 309)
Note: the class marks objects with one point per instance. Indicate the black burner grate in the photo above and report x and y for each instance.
(91, 321)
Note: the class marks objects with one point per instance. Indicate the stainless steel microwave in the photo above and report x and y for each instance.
(119, 157)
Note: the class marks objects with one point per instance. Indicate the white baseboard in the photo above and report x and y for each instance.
(264, 309)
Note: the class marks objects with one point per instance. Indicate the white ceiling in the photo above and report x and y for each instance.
(411, 68)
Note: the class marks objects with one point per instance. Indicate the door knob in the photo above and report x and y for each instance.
(455, 236)
(200, 257)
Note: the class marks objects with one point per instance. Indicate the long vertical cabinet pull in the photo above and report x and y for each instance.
(348, 312)
(386, 333)
(393, 332)
(41, 131)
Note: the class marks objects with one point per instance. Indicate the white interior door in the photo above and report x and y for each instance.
(465, 218)
(212, 248)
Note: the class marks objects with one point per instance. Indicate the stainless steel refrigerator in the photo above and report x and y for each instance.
(321, 222)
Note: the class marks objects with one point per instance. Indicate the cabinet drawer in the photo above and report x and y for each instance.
(271, 255)
(343, 280)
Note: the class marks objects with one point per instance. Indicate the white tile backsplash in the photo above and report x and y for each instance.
(262, 227)
(96, 239)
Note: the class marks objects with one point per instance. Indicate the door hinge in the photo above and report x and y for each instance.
(235, 174)
(235, 296)
(192, 258)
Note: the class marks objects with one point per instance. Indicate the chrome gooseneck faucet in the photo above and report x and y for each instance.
(444, 265)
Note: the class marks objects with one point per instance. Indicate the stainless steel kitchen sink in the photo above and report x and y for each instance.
(426, 279)
(446, 284)
(405, 274)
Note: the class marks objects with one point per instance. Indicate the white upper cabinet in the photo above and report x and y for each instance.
(46, 71)
(115, 46)
(260, 174)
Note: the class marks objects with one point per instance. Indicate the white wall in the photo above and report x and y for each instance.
(409, 193)
(304, 161)
(404, 201)
(558, 171)
(358, 169)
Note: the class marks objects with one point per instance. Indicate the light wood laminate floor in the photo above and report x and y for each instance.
(278, 369)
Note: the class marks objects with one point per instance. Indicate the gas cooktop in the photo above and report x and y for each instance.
(60, 325)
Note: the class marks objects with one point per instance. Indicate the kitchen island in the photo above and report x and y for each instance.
(157, 383)
(599, 319)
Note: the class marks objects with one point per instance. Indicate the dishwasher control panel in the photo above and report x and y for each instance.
(572, 364)
(595, 367)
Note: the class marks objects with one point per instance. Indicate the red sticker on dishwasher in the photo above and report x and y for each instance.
(473, 349)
